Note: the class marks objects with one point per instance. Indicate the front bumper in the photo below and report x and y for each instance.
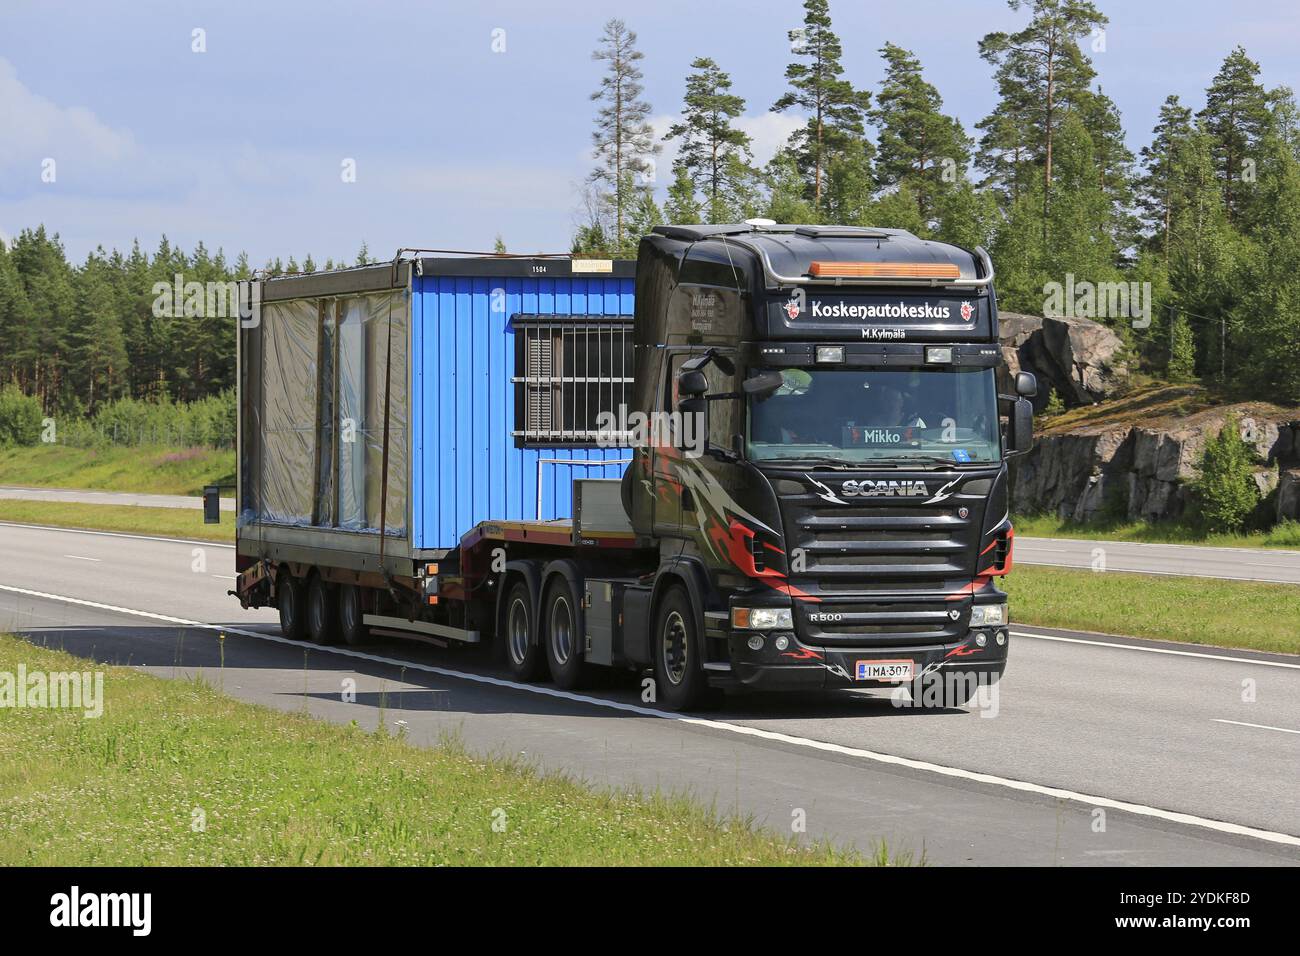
(801, 667)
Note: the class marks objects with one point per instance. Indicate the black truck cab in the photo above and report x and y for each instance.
(824, 467)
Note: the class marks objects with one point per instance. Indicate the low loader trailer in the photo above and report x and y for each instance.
(760, 456)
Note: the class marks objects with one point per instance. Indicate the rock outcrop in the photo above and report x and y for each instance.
(1141, 470)
(1081, 360)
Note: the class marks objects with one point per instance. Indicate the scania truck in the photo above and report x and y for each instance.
(763, 456)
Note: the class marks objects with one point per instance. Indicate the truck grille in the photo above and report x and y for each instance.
(883, 573)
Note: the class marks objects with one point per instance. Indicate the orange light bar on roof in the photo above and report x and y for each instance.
(884, 270)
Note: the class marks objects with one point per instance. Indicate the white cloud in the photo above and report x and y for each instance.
(36, 129)
(768, 132)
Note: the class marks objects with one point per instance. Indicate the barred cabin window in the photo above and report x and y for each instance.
(570, 369)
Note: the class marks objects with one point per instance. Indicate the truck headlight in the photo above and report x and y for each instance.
(761, 618)
(988, 615)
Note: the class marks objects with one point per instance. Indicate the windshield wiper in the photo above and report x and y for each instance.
(810, 460)
(936, 460)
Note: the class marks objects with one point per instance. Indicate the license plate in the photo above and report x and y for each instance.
(884, 670)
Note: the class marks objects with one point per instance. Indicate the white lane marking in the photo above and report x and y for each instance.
(1157, 650)
(115, 534)
(1209, 549)
(1088, 800)
(1111, 569)
(1242, 723)
(79, 557)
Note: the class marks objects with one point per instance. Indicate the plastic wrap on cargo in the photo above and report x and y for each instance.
(288, 410)
(386, 330)
(352, 414)
(369, 327)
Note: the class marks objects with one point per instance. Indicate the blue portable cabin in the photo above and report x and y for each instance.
(478, 326)
(425, 396)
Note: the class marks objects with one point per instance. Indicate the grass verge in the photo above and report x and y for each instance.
(1262, 617)
(145, 470)
(276, 788)
(1285, 535)
(163, 522)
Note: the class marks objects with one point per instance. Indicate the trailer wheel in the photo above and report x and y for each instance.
(523, 654)
(290, 598)
(322, 616)
(678, 664)
(563, 633)
(351, 627)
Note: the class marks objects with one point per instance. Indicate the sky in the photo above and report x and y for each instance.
(462, 121)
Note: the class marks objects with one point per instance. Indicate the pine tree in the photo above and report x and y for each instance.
(712, 149)
(1164, 161)
(917, 144)
(835, 110)
(682, 206)
(1223, 492)
(1236, 116)
(623, 139)
(499, 245)
(1045, 61)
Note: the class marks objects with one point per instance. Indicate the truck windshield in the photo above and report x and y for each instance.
(864, 415)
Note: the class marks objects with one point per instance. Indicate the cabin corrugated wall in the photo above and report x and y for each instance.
(465, 465)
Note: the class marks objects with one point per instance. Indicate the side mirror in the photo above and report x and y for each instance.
(1020, 433)
(1026, 384)
(763, 384)
(691, 384)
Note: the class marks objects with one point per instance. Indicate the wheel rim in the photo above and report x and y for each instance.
(518, 631)
(674, 647)
(561, 630)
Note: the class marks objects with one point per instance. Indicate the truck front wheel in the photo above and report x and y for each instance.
(678, 664)
(523, 653)
(290, 599)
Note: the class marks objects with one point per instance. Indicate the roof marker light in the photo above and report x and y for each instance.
(884, 270)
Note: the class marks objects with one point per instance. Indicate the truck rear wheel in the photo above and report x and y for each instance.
(678, 664)
(322, 616)
(563, 632)
(351, 627)
(290, 599)
(523, 654)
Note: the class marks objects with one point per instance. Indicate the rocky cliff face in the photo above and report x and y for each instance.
(1136, 456)
(1079, 359)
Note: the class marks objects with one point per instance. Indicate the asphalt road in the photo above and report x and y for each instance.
(77, 496)
(1095, 750)
(1234, 564)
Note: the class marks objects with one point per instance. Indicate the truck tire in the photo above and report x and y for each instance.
(291, 599)
(322, 613)
(350, 610)
(625, 488)
(678, 659)
(523, 653)
(562, 632)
